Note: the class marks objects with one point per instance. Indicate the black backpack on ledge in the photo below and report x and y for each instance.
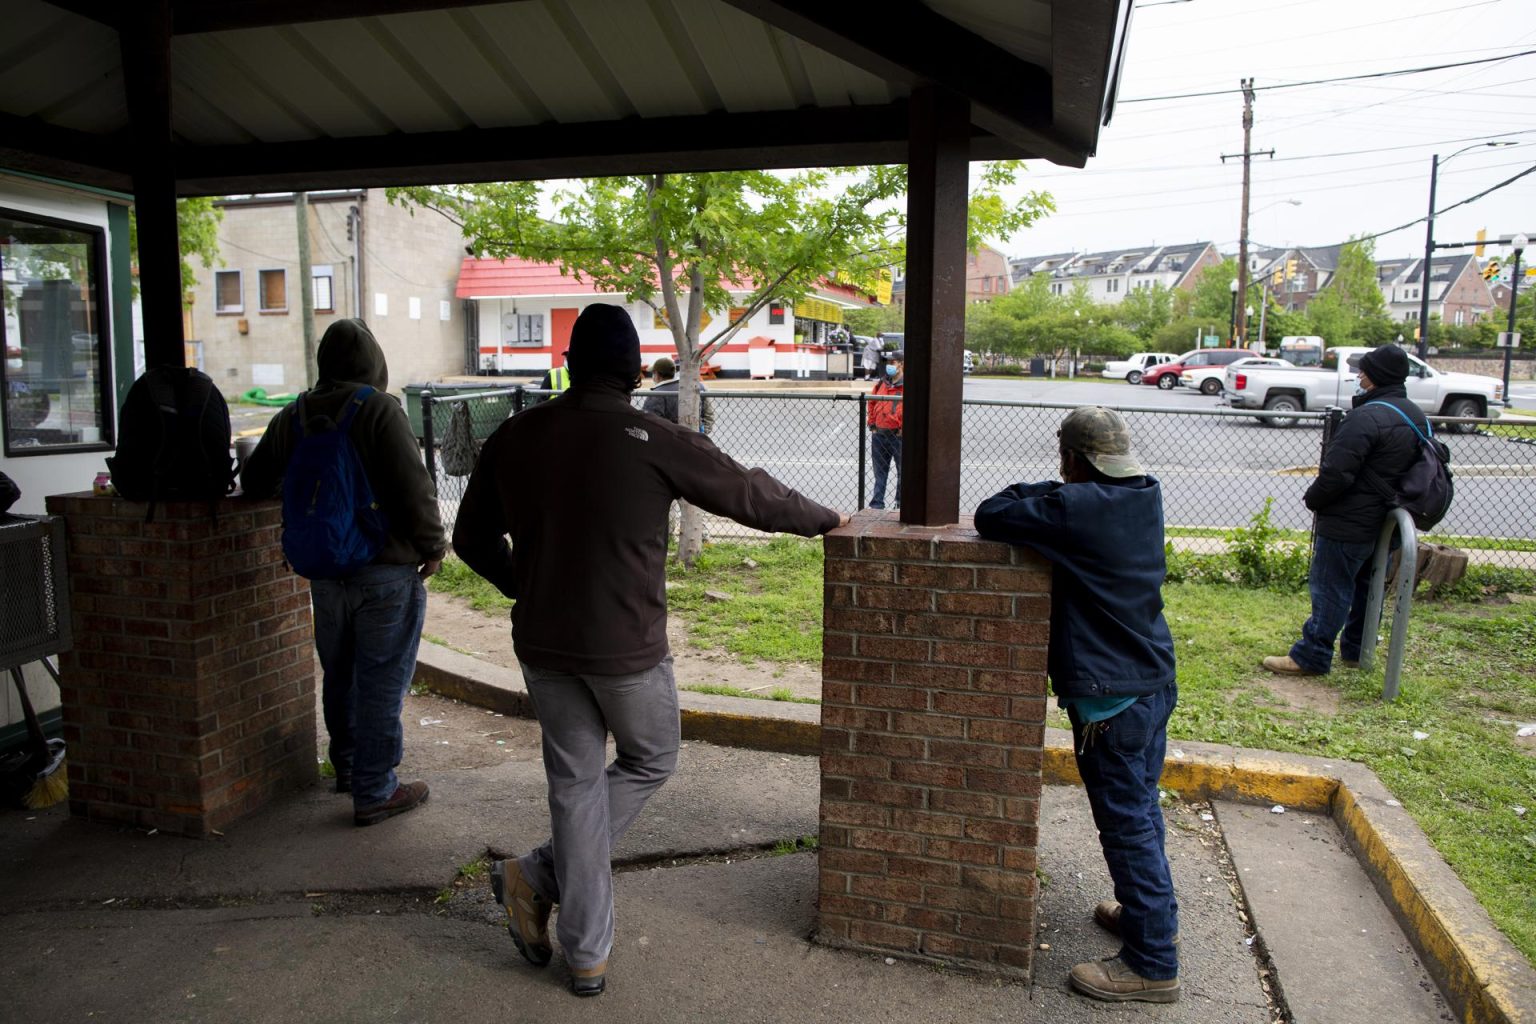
(173, 440)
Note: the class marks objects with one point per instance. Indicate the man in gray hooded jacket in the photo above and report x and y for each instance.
(367, 626)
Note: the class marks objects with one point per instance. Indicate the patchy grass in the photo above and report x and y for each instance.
(460, 580)
(775, 609)
(1470, 675)
(779, 693)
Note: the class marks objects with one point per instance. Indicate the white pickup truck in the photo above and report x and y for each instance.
(1298, 389)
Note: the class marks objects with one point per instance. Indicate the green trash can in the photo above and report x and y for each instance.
(486, 414)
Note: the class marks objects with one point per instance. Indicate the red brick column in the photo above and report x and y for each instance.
(189, 697)
(933, 718)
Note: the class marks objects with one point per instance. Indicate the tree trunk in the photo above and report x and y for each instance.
(690, 539)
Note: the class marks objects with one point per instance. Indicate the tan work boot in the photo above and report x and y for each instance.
(1113, 982)
(589, 981)
(527, 911)
(1107, 916)
(1282, 665)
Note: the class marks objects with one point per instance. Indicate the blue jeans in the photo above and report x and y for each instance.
(883, 450)
(367, 630)
(1121, 760)
(591, 806)
(1339, 580)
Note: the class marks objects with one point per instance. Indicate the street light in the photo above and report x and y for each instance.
(1234, 286)
(1429, 238)
(1519, 243)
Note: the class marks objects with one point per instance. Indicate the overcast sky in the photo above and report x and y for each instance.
(1158, 175)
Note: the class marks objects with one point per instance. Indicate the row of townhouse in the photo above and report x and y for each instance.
(434, 311)
(1109, 276)
(1457, 292)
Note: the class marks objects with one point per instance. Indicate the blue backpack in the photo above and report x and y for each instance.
(332, 524)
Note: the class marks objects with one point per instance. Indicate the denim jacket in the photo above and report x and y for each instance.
(1105, 544)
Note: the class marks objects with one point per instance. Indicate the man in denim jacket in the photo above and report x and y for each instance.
(1111, 665)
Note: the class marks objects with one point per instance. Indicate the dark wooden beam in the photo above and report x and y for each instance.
(795, 138)
(111, 13)
(1087, 46)
(193, 16)
(907, 41)
(36, 147)
(937, 182)
(146, 49)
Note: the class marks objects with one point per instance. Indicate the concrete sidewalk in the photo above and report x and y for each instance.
(297, 915)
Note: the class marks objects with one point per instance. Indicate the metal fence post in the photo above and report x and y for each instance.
(427, 439)
(517, 400)
(1407, 574)
(1332, 417)
(863, 446)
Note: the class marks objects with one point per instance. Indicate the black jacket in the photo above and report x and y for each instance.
(581, 485)
(1348, 507)
(662, 401)
(1105, 542)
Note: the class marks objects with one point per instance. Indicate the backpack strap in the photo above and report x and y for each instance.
(162, 393)
(354, 403)
(1408, 420)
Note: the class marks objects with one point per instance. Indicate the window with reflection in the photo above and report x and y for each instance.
(54, 383)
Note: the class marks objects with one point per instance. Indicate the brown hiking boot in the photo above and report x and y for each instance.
(527, 913)
(407, 797)
(1113, 982)
(1282, 665)
(1107, 916)
(589, 981)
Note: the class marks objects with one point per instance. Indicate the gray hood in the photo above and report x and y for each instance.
(349, 354)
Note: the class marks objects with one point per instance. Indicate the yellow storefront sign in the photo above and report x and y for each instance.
(817, 309)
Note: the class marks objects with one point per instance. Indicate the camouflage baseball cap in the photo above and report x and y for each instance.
(1101, 436)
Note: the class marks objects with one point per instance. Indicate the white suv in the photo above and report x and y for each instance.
(1130, 370)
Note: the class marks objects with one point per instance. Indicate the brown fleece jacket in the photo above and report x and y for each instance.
(582, 484)
(348, 358)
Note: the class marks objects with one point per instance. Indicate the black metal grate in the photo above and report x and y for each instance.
(34, 589)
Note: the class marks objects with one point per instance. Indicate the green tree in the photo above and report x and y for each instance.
(1144, 311)
(1212, 298)
(873, 320)
(197, 233)
(674, 242)
(1355, 282)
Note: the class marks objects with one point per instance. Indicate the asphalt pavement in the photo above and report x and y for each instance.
(295, 915)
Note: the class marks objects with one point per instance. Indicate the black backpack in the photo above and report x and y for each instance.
(173, 440)
(1426, 490)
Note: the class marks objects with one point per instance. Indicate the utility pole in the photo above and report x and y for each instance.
(306, 289)
(1240, 314)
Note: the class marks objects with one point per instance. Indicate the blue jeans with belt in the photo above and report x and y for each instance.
(885, 448)
(1121, 761)
(367, 631)
(1339, 581)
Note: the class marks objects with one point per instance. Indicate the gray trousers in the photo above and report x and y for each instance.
(591, 806)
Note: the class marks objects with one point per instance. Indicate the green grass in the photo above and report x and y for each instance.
(1470, 674)
(460, 580)
(775, 613)
(1465, 543)
(780, 693)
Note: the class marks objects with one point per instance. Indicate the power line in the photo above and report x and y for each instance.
(1447, 209)
(1327, 81)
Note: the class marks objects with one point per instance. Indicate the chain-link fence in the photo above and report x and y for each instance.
(1217, 466)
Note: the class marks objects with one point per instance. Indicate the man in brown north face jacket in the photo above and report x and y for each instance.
(582, 484)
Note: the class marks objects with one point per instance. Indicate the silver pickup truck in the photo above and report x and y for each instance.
(1298, 389)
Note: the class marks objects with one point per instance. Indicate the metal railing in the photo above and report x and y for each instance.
(1401, 523)
(1217, 465)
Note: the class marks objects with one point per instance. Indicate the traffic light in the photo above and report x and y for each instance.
(1290, 269)
(1491, 271)
(1482, 234)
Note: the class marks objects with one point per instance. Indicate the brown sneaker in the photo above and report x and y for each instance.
(1113, 982)
(527, 912)
(1282, 665)
(589, 981)
(408, 796)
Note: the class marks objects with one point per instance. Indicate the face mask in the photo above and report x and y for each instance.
(890, 370)
(1360, 390)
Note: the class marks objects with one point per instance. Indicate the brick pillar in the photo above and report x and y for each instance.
(189, 697)
(933, 718)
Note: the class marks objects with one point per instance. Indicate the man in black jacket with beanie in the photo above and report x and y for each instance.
(1350, 506)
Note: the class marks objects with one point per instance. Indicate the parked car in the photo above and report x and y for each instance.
(1166, 376)
(1297, 389)
(1131, 369)
(1209, 379)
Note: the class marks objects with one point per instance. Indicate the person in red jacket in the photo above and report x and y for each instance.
(885, 428)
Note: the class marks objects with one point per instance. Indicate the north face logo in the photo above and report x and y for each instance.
(638, 433)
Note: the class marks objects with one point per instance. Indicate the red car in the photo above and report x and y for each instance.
(1166, 376)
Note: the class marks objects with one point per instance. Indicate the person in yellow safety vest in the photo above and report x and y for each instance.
(556, 378)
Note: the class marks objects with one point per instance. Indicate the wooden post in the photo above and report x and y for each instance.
(938, 165)
(146, 47)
